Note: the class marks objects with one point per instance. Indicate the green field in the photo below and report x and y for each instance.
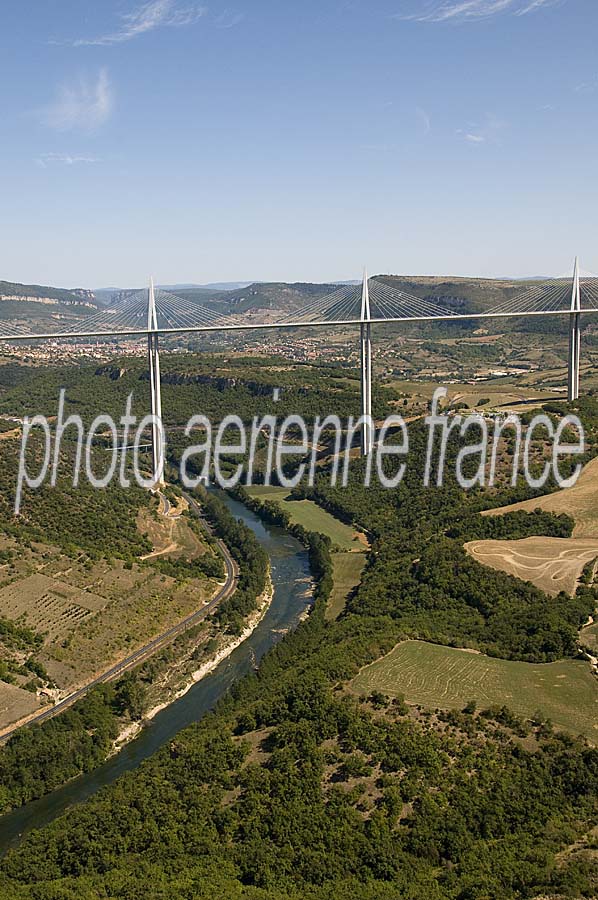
(440, 677)
(347, 569)
(311, 516)
(589, 637)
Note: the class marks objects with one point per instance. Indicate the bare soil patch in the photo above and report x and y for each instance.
(16, 704)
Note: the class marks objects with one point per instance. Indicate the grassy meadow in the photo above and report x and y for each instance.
(445, 678)
(312, 517)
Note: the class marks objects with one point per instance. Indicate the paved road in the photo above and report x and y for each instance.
(144, 652)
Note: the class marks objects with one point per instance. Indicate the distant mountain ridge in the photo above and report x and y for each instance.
(271, 300)
(37, 293)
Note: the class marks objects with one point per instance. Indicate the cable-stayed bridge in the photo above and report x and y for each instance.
(340, 305)
(153, 312)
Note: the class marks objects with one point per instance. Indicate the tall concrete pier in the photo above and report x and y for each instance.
(366, 370)
(155, 388)
(574, 337)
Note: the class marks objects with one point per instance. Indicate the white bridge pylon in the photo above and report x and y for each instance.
(153, 354)
(367, 437)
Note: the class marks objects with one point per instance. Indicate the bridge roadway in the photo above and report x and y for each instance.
(143, 653)
(223, 325)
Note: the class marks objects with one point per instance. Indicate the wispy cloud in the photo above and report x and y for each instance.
(65, 159)
(229, 19)
(86, 105)
(147, 17)
(487, 132)
(587, 87)
(424, 119)
(463, 10)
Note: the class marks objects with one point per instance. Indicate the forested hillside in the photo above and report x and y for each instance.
(294, 788)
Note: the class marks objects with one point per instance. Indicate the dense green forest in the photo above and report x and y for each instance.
(293, 788)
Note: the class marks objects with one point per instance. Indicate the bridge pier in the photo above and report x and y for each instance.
(574, 338)
(366, 389)
(153, 354)
(367, 437)
(574, 356)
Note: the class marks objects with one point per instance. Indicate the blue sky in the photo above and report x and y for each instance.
(296, 141)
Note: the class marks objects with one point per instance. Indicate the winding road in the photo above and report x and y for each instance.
(157, 643)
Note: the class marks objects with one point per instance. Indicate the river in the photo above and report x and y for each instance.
(290, 569)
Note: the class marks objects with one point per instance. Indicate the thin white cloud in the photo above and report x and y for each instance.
(147, 17)
(229, 19)
(65, 159)
(587, 87)
(424, 118)
(467, 10)
(487, 132)
(85, 105)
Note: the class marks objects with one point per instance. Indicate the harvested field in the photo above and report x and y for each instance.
(499, 393)
(579, 501)
(445, 678)
(552, 564)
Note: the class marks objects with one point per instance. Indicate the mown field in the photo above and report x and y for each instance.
(552, 564)
(346, 573)
(312, 517)
(441, 677)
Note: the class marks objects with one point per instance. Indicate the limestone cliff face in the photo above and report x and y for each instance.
(220, 383)
(49, 301)
(88, 298)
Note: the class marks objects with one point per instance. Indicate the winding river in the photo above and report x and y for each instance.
(290, 574)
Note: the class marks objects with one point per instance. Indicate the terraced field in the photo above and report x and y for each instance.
(90, 613)
(49, 606)
(444, 678)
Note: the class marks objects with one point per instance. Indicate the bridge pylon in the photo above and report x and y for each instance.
(367, 438)
(574, 337)
(153, 354)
